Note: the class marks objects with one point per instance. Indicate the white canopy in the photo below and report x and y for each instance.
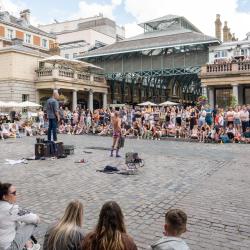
(147, 104)
(2, 104)
(11, 104)
(69, 63)
(28, 104)
(168, 103)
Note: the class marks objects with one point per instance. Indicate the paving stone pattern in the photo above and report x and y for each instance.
(209, 182)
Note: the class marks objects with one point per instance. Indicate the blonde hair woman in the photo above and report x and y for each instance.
(110, 232)
(67, 233)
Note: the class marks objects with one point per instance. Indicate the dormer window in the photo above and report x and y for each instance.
(28, 38)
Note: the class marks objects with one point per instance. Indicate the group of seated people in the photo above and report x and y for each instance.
(202, 124)
(18, 127)
(17, 227)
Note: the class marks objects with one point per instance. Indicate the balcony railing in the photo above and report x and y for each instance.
(226, 68)
(69, 75)
(44, 72)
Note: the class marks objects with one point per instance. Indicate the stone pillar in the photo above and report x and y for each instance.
(236, 92)
(37, 97)
(104, 100)
(74, 100)
(90, 104)
(211, 97)
(204, 90)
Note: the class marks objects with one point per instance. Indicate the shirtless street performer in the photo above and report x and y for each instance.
(116, 123)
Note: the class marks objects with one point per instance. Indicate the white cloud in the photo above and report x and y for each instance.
(201, 13)
(15, 8)
(132, 29)
(12, 8)
(92, 9)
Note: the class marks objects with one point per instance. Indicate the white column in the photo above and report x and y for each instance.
(211, 97)
(37, 97)
(104, 100)
(236, 92)
(204, 90)
(90, 106)
(74, 103)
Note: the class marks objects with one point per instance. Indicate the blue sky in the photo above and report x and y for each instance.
(63, 9)
(130, 12)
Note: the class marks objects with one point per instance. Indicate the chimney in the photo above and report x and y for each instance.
(225, 32)
(218, 26)
(233, 37)
(25, 15)
(230, 37)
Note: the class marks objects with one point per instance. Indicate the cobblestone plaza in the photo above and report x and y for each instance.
(209, 182)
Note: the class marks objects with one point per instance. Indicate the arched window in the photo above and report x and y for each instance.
(175, 89)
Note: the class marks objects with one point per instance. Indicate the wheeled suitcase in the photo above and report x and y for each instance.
(42, 150)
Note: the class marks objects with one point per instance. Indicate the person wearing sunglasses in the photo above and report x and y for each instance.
(16, 225)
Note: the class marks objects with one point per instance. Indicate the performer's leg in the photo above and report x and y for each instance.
(113, 146)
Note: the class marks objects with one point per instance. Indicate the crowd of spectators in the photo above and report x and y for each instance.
(232, 60)
(202, 124)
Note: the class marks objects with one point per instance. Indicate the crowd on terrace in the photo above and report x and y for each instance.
(235, 59)
(201, 124)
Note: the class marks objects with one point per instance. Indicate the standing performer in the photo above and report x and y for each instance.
(116, 124)
(52, 108)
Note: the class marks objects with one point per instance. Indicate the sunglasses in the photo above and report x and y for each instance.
(13, 193)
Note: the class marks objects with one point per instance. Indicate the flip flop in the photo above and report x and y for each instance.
(80, 161)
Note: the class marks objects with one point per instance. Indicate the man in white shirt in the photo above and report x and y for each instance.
(244, 117)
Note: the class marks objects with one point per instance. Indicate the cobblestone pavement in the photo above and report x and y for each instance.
(210, 182)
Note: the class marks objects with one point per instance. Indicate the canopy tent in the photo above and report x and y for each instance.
(75, 64)
(168, 103)
(2, 104)
(11, 104)
(28, 104)
(147, 104)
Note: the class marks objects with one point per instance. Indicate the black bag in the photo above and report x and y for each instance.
(109, 168)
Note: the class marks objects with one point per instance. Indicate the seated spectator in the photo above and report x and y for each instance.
(16, 225)
(230, 131)
(195, 132)
(61, 128)
(110, 232)
(66, 234)
(28, 129)
(246, 136)
(175, 226)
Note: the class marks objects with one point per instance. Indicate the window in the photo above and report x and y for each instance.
(10, 34)
(74, 55)
(223, 97)
(219, 54)
(66, 56)
(44, 43)
(28, 38)
(244, 52)
(25, 98)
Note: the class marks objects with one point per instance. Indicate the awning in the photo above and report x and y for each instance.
(75, 64)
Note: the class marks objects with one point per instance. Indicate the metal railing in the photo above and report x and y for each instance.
(227, 68)
(67, 73)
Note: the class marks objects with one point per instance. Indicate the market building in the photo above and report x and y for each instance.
(161, 64)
